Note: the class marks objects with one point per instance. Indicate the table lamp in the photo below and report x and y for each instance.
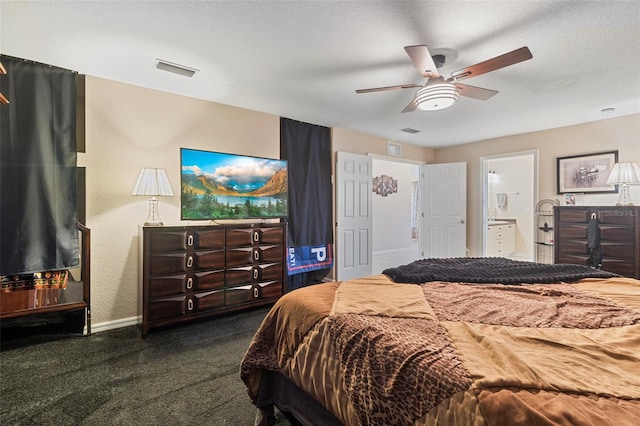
(624, 174)
(153, 182)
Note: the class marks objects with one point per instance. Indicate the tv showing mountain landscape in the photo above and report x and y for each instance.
(216, 185)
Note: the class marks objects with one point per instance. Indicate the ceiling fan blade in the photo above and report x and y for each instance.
(411, 107)
(475, 92)
(513, 57)
(422, 60)
(381, 89)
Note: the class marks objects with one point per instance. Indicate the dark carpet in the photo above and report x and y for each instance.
(183, 375)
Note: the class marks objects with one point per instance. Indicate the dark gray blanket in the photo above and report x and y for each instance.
(496, 270)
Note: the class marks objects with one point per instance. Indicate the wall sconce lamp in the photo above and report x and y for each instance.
(153, 182)
(624, 174)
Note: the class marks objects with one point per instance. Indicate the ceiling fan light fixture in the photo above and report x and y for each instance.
(436, 95)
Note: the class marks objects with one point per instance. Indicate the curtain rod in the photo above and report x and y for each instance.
(36, 63)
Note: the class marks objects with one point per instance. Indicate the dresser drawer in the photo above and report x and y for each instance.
(253, 255)
(575, 258)
(574, 247)
(206, 239)
(168, 285)
(255, 236)
(208, 280)
(572, 231)
(167, 241)
(167, 263)
(200, 260)
(573, 215)
(253, 292)
(209, 300)
(620, 267)
(616, 233)
(249, 274)
(619, 216)
(167, 308)
(618, 251)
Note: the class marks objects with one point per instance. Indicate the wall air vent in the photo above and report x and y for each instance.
(394, 148)
(409, 130)
(163, 65)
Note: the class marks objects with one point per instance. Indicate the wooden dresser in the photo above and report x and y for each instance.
(619, 228)
(191, 272)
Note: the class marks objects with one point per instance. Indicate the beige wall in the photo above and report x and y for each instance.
(359, 143)
(130, 127)
(622, 134)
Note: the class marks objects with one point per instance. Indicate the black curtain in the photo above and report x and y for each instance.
(37, 168)
(307, 149)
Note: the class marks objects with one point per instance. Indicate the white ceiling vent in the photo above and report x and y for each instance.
(163, 65)
(410, 130)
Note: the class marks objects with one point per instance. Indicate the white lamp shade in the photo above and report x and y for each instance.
(153, 182)
(624, 173)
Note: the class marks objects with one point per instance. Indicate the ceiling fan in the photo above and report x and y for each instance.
(438, 93)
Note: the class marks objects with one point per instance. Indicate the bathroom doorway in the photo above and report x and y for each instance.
(509, 188)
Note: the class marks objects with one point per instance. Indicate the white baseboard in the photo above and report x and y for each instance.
(110, 325)
(398, 250)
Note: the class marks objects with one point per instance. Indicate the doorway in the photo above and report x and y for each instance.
(396, 212)
(509, 188)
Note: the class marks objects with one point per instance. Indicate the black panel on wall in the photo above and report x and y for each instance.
(80, 114)
(81, 195)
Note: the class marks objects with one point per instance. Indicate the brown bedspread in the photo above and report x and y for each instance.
(374, 352)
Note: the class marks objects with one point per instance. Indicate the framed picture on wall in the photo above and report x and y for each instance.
(586, 173)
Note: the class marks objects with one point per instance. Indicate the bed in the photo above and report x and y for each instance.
(464, 341)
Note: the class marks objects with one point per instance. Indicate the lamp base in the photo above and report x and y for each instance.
(153, 219)
(624, 199)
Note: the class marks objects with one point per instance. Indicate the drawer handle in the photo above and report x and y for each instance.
(189, 283)
(256, 255)
(190, 305)
(256, 273)
(256, 236)
(190, 240)
(189, 261)
(256, 293)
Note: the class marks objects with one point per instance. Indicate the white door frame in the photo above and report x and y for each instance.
(420, 178)
(484, 188)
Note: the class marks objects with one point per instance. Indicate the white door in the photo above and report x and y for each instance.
(353, 215)
(444, 227)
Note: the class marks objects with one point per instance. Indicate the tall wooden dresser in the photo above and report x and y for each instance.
(619, 230)
(191, 272)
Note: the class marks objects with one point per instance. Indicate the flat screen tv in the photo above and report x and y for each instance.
(216, 185)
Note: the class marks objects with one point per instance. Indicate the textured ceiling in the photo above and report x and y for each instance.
(304, 59)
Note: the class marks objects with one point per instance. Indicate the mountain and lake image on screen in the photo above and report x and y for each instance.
(216, 185)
